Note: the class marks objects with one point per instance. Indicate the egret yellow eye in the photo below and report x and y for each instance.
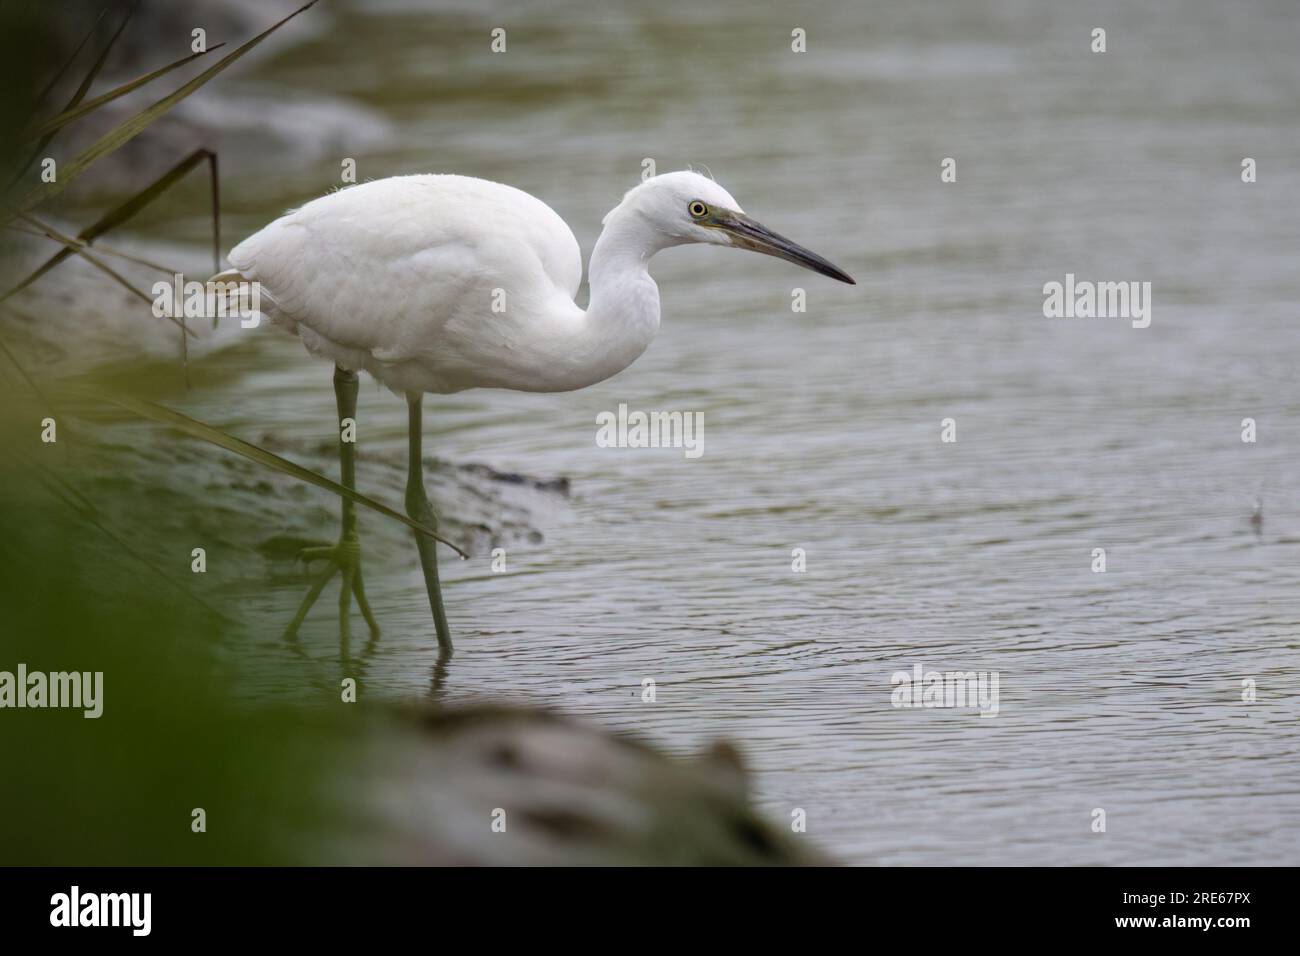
(697, 209)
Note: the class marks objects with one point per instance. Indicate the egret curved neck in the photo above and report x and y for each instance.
(623, 314)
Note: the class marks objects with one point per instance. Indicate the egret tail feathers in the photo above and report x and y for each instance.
(231, 293)
(224, 284)
(229, 276)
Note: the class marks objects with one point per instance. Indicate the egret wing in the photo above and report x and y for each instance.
(390, 269)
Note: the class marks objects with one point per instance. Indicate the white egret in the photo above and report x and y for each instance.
(398, 277)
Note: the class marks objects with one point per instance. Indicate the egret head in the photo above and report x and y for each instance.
(687, 207)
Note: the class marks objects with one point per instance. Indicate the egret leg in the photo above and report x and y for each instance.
(345, 556)
(419, 509)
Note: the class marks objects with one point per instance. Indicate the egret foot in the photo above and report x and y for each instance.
(343, 557)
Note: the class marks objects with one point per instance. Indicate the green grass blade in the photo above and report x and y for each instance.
(31, 382)
(80, 249)
(54, 80)
(101, 247)
(124, 133)
(216, 212)
(55, 123)
(117, 215)
(79, 95)
(77, 247)
(89, 78)
(190, 426)
(126, 210)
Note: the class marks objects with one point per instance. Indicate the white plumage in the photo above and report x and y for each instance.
(397, 277)
(441, 283)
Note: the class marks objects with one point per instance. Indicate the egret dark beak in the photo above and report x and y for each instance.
(747, 234)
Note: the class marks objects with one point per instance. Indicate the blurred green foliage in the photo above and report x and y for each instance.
(77, 593)
(121, 788)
